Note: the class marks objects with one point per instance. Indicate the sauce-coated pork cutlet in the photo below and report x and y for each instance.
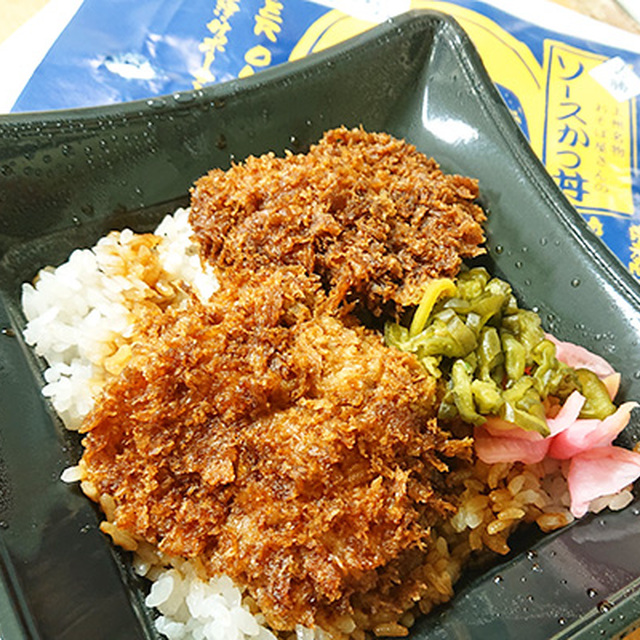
(284, 446)
(373, 217)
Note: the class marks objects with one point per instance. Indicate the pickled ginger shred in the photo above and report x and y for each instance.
(600, 472)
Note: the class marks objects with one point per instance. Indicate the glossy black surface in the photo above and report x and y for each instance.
(68, 177)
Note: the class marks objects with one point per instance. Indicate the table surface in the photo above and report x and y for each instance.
(604, 10)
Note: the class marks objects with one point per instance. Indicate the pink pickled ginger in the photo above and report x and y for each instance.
(568, 414)
(585, 434)
(600, 472)
(511, 444)
(578, 357)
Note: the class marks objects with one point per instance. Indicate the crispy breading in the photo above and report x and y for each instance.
(373, 217)
(282, 445)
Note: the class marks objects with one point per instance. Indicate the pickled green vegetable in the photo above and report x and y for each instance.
(515, 356)
(461, 379)
(493, 355)
(598, 404)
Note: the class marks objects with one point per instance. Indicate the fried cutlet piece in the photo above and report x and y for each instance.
(287, 448)
(373, 217)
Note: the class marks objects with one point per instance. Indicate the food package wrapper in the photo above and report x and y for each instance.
(575, 98)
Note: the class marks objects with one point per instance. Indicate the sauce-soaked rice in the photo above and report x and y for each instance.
(283, 446)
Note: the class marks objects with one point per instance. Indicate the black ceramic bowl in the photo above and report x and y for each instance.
(66, 178)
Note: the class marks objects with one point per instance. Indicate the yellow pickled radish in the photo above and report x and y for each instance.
(435, 289)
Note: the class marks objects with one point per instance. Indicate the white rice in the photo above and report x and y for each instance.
(202, 610)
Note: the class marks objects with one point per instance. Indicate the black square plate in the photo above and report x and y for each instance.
(66, 178)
